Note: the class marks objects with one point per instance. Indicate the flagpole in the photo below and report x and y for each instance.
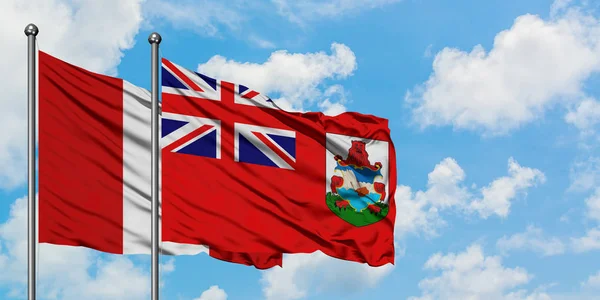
(154, 39)
(31, 32)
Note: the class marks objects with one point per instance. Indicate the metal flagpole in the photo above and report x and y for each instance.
(31, 32)
(154, 39)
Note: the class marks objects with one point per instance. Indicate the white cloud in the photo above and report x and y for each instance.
(334, 101)
(525, 295)
(559, 6)
(66, 272)
(586, 116)
(213, 293)
(593, 282)
(91, 34)
(446, 190)
(415, 214)
(532, 66)
(261, 42)
(216, 19)
(305, 272)
(472, 275)
(498, 195)
(419, 212)
(201, 16)
(585, 174)
(532, 239)
(593, 205)
(301, 11)
(168, 267)
(428, 51)
(296, 77)
(589, 242)
(332, 108)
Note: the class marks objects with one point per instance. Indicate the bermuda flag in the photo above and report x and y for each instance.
(94, 166)
(241, 174)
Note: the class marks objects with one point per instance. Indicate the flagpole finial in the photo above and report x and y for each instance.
(31, 29)
(154, 38)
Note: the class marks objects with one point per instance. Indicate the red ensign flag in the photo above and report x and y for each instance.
(241, 174)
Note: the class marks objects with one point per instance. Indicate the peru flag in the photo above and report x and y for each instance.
(94, 166)
(239, 173)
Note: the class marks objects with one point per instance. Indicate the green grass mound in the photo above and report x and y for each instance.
(366, 217)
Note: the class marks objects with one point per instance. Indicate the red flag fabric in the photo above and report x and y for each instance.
(94, 166)
(239, 173)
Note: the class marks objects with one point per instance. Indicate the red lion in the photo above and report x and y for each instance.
(358, 157)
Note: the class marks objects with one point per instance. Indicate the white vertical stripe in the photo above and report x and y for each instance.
(136, 177)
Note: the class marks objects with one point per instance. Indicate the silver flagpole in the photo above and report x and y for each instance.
(154, 39)
(31, 32)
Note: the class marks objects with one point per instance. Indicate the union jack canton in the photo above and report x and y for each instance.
(201, 136)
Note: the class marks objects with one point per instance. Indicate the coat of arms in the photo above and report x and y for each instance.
(358, 191)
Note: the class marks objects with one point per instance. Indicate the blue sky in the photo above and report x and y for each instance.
(493, 110)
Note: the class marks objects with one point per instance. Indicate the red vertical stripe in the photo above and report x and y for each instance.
(80, 157)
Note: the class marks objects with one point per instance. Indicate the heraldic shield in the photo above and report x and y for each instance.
(357, 179)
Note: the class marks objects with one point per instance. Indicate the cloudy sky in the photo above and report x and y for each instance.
(494, 111)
